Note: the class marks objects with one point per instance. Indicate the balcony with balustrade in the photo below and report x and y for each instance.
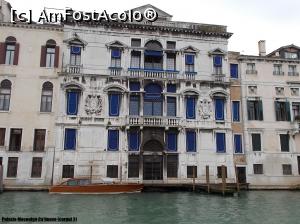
(160, 121)
(72, 69)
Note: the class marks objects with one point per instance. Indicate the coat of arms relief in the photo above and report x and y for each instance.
(93, 105)
(205, 108)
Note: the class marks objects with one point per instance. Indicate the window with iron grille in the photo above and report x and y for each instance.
(191, 171)
(286, 169)
(15, 139)
(258, 169)
(68, 171)
(36, 169)
(133, 166)
(256, 142)
(219, 171)
(12, 167)
(39, 140)
(112, 171)
(285, 142)
(172, 166)
(2, 136)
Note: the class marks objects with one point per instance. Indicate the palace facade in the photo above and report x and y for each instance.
(143, 102)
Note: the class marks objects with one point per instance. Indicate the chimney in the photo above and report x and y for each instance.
(262, 48)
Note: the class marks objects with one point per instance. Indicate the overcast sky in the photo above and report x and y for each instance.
(276, 21)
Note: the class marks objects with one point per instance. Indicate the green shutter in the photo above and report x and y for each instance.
(287, 111)
(260, 109)
(248, 109)
(276, 110)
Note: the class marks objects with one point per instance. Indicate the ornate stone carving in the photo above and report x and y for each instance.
(205, 108)
(93, 105)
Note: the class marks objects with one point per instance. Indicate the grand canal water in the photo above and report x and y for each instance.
(261, 207)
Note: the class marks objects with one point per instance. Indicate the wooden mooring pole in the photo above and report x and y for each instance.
(223, 179)
(193, 178)
(237, 179)
(1, 178)
(207, 179)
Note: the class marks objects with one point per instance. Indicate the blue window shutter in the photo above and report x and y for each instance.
(238, 148)
(234, 71)
(189, 59)
(236, 111)
(76, 50)
(219, 109)
(134, 86)
(72, 102)
(191, 141)
(218, 61)
(134, 140)
(153, 92)
(221, 142)
(114, 104)
(134, 105)
(171, 106)
(113, 140)
(171, 88)
(172, 141)
(70, 139)
(115, 53)
(190, 108)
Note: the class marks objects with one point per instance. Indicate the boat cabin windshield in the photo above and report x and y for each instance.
(80, 182)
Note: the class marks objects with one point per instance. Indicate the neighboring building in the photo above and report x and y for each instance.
(144, 102)
(271, 108)
(5, 8)
(240, 159)
(29, 63)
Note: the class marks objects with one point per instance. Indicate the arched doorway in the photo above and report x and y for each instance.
(153, 160)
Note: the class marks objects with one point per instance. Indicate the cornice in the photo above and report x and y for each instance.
(206, 30)
(58, 28)
(263, 58)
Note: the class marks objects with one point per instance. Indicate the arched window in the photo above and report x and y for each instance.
(73, 97)
(46, 98)
(153, 55)
(11, 51)
(114, 100)
(49, 54)
(153, 100)
(5, 92)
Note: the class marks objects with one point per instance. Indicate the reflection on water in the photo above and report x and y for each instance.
(251, 207)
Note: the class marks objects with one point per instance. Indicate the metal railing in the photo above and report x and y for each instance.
(293, 73)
